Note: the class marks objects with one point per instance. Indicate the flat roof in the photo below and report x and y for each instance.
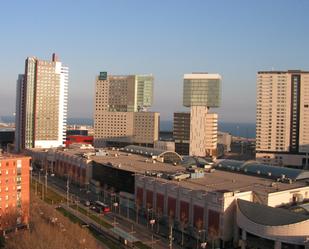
(4, 156)
(265, 170)
(208, 76)
(134, 163)
(224, 181)
(282, 72)
(219, 180)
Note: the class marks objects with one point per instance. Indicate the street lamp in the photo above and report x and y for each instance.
(68, 190)
(115, 204)
(148, 210)
(203, 244)
(152, 222)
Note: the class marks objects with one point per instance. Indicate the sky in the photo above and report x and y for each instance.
(168, 38)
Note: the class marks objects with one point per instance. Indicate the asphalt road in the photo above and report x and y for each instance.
(128, 225)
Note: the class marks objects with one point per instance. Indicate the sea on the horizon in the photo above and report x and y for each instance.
(237, 129)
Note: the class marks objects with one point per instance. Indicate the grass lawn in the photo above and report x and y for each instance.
(72, 217)
(140, 245)
(51, 197)
(92, 216)
(109, 243)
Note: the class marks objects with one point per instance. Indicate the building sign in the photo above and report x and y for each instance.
(103, 76)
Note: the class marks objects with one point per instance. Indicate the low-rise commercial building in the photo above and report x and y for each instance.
(81, 139)
(225, 138)
(74, 164)
(219, 203)
(229, 203)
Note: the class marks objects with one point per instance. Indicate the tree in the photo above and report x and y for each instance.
(50, 229)
(2, 241)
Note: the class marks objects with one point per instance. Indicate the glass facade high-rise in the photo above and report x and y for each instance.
(202, 90)
(144, 91)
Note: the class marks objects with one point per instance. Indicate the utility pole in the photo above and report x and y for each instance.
(68, 188)
(171, 237)
(46, 181)
(36, 187)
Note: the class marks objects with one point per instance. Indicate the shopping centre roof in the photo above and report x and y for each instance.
(168, 156)
(268, 216)
(264, 170)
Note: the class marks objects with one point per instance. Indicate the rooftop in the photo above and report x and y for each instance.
(269, 216)
(168, 156)
(134, 162)
(225, 181)
(264, 170)
(4, 156)
(282, 72)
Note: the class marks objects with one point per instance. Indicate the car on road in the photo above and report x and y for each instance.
(101, 207)
(86, 203)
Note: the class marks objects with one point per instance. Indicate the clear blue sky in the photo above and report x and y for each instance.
(235, 38)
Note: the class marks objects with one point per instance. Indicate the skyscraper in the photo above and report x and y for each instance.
(41, 104)
(202, 91)
(120, 115)
(282, 117)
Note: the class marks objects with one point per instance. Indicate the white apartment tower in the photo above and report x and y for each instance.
(282, 118)
(202, 91)
(41, 104)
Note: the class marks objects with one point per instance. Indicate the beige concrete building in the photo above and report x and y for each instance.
(120, 115)
(282, 117)
(41, 105)
(146, 127)
(202, 91)
(203, 132)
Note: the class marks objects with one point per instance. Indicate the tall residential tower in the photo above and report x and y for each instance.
(41, 104)
(282, 117)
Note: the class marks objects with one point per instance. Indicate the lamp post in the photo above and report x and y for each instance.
(115, 204)
(202, 244)
(152, 222)
(148, 210)
(46, 181)
(171, 238)
(68, 191)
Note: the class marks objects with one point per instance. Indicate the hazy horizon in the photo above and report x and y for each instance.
(166, 38)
